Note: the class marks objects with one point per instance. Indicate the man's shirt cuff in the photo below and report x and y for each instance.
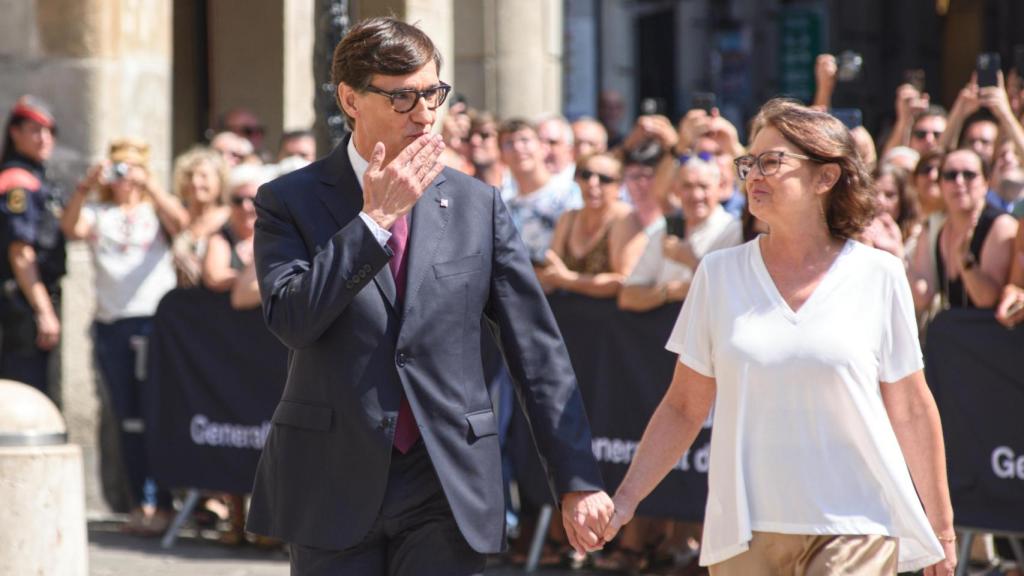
(379, 233)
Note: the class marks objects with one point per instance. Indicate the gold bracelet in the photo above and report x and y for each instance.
(949, 539)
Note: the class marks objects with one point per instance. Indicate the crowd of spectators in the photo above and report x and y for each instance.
(607, 215)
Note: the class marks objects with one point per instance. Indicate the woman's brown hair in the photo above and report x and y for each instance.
(850, 205)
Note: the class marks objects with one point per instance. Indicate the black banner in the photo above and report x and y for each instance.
(214, 376)
(623, 371)
(974, 368)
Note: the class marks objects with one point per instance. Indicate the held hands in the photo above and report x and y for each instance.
(623, 511)
(390, 192)
(586, 517)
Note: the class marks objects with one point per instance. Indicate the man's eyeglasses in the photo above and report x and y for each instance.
(927, 170)
(585, 175)
(767, 162)
(240, 200)
(403, 101)
(922, 134)
(952, 175)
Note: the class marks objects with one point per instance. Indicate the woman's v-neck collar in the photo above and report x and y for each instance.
(820, 291)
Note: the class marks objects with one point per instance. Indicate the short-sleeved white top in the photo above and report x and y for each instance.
(802, 443)
(720, 230)
(134, 269)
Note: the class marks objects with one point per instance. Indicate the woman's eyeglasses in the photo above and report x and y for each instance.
(952, 175)
(240, 200)
(403, 101)
(767, 162)
(585, 175)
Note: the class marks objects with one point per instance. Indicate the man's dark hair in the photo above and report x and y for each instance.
(513, 125)
(981, 115)
(380, 46)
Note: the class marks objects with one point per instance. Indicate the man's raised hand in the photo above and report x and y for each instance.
(390, 192)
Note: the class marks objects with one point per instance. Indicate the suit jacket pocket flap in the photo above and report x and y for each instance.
(460, 266)
(482, 423)
(310, 416)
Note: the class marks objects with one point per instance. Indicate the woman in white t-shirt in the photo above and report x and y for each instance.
(806, 343)
(127, 230)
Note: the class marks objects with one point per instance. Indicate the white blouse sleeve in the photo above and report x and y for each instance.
(692, 338)
(901, 350)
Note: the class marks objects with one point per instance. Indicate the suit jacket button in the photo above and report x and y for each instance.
(401, 359)
(348, 284)
(366, 268)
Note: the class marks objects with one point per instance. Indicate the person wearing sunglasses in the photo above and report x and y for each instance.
(586, 254)
(377, 268)
(827, 448)
(919, 123)
(127, 226)
(974, 246)
(229, 250)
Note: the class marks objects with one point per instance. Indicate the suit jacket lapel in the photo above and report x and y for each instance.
(429, 223)
(342, 194)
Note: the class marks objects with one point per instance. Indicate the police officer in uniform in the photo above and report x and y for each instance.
(31, 246)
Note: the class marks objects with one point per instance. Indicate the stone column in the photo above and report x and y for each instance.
(528, 51)
(299, 85)
(509, 55)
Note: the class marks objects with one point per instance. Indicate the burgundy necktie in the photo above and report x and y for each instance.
(406, 431)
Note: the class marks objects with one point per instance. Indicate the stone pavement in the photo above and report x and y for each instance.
(112, 553)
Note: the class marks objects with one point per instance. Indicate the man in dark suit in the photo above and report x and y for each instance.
(376, 268)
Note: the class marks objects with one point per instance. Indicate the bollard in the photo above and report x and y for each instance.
(42, 494)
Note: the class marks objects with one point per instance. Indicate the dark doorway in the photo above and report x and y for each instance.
(190, 74)
(656, 61)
